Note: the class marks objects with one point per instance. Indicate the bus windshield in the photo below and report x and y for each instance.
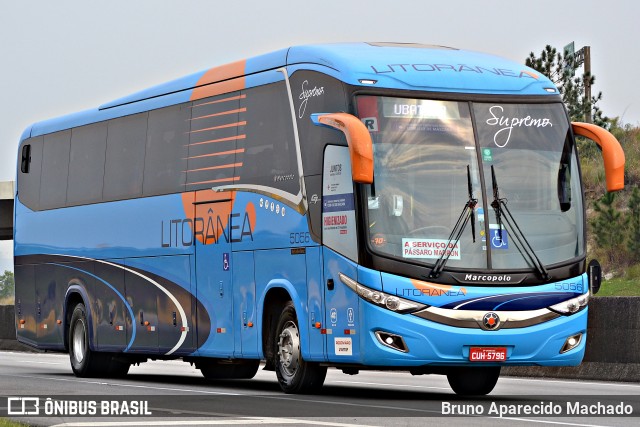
(435, 158)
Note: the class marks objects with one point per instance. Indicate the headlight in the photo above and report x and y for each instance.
(381, 299)
(572, 305)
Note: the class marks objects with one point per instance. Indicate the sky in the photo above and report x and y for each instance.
(63, 56)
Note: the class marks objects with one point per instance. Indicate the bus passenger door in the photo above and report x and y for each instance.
(213, 277)
(339, 247)
(244, 300)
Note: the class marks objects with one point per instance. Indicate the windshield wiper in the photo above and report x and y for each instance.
(500, 207)
(468, 213)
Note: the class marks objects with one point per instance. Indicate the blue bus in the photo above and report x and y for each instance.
(358, 206)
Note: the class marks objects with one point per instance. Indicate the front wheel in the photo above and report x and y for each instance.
(473, 381)
(295, 375)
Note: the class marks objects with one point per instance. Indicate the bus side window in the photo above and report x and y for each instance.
(26, 158)
(55, 170)
(269, 155)
(165, 162)
(86, 164)
(216, 137)
(124, 162)
(29, 179)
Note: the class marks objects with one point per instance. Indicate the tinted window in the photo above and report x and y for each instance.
(166, 155)
(215, 132)
(55, 168)
(124, 168)
(269, 156)
(316, 93)
(29, 183)
(86, 164)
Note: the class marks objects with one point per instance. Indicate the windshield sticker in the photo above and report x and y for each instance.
(506, 124)
(499, 238)
(371, 123)
(430, 248)
(378, 240)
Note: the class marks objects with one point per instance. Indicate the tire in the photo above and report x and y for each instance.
(84, 361)
(244, 370)
(295, 375)
(473, 381)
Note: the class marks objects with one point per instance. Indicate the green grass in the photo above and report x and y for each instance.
(620, 287)
(9, 423)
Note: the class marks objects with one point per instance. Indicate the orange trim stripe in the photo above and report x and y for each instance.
(235, 178)
(211, 141)
(219, 80)
(221, 153)
(231, 98)
(230, 125)
(230, 165)
(239, 110)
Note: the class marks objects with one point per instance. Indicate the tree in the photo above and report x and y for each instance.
(607, 226)
(558, 69)
(7, 284)
(633, 239)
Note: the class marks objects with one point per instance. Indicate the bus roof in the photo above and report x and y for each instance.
(374, 65)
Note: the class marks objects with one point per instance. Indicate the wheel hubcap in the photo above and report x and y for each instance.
(289, 349)
(78, 341)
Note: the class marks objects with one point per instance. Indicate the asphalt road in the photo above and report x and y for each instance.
(176, 394)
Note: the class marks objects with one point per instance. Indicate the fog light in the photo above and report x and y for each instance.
(571, 343)
(393, 341)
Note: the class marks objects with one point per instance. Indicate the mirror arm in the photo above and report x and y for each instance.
(612, 153)
(358, 139)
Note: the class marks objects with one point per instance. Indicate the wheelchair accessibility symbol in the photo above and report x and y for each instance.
(498, 241)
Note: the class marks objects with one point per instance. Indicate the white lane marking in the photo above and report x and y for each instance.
(125, 385)
(228, 394)
(563, 423)
(391, 385)
(570, 382)
(244, 421)
(41, 363)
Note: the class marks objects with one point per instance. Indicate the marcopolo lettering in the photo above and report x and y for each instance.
(487, 278)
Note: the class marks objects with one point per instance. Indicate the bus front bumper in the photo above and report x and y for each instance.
(425, 342)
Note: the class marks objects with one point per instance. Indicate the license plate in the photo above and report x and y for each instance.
(488, 354)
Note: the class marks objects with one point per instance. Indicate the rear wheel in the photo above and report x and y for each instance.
(295, 375)
(84, 361)
(473, 381)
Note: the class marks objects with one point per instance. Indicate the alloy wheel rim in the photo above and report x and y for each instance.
(289, 349)
(78, 341)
